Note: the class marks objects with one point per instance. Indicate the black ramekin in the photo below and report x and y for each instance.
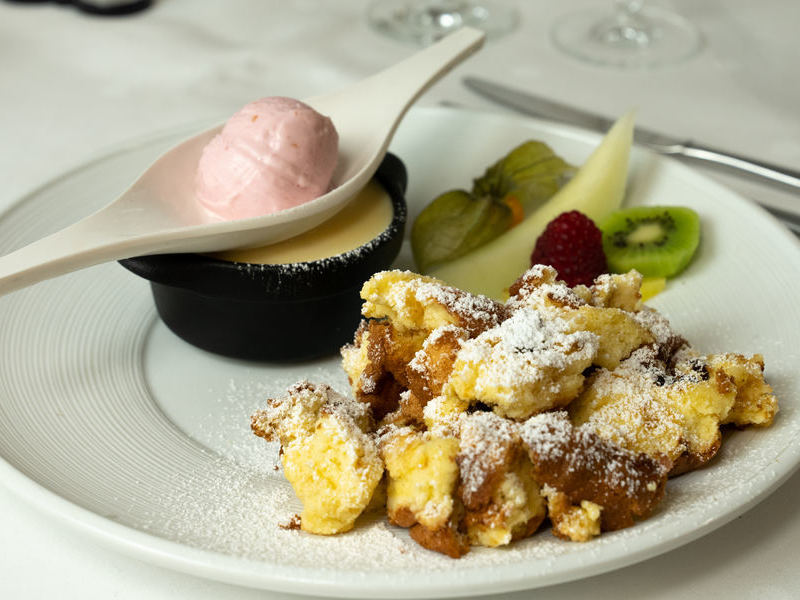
(273, 312)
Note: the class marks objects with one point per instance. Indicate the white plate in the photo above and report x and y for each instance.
(110, 422)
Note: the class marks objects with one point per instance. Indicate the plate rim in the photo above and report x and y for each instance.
(200, 562)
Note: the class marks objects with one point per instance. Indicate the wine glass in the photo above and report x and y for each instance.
(426, 21)
(631, 34)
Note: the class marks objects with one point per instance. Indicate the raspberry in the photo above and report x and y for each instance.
(573, 245)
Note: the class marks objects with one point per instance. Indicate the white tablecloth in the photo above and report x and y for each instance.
(74, 86)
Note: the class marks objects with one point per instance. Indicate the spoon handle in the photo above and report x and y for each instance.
(112, 233)
(93, 240)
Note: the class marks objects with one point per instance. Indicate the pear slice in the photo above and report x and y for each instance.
(596, 190)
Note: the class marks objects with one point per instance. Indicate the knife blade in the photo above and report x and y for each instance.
(530, 104)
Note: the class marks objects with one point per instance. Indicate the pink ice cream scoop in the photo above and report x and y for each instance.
(273, 154)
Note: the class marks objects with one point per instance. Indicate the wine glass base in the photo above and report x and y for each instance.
(426, 21)
(656, 38)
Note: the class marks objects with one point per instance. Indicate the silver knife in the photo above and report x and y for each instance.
(663, 144)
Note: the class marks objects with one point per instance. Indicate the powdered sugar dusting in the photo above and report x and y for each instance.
(295, 413)
(442, 420)
(486, 440)
(552, 438)
(518, 352)
(475, 312)
(237, 507)
(238, 513)
(656, 323)
(408, 293)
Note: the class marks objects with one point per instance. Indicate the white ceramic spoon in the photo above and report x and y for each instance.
(157, 214)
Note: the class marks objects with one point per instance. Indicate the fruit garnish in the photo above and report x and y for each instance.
(596, 190)
(517, 212)
(459, 221)
(531, 173)
(652, 286)
(455, 223)
(657, 241)
(573, 245)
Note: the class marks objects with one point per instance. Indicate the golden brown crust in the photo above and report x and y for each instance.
(648, 406)
(377, 383)
(430, 369)
(257, 428)
(534, 279)
(501, 498)
(583, 466)
(411, 409)
(531, 526)
(690, 461)
(447, 539)
(489, 446)
(477, 500)
(402, 517)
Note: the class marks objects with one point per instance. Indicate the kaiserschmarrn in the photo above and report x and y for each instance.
(473, 422)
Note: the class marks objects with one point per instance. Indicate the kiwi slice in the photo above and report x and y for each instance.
(657, 241)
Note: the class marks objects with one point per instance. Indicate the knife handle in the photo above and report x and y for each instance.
(753, 168)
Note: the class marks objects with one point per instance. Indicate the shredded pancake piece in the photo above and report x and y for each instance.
(432, 365)
(583, 466)
(375, 364)
(332, 464)
(422, 477)
(675, 411)
(416, 302)
(605, 309)
(529, 363)
(501, 496)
